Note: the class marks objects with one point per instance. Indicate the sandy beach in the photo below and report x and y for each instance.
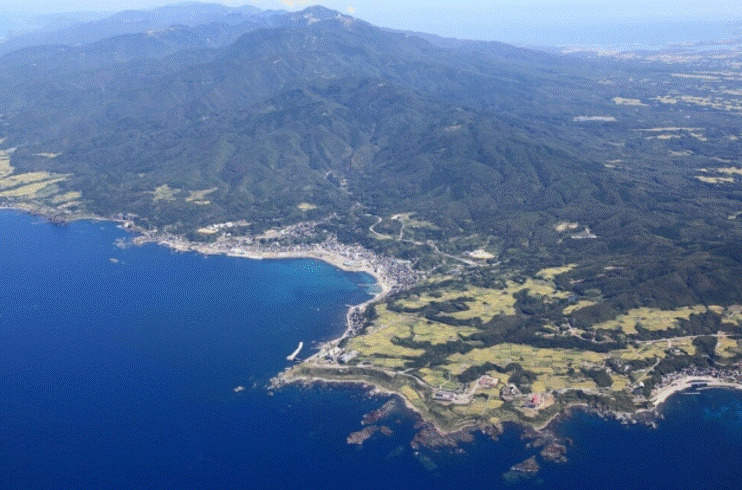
(686, 382)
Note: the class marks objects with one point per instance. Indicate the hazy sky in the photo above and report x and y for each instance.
(482, 19)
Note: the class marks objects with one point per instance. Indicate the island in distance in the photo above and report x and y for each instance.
(547, 231)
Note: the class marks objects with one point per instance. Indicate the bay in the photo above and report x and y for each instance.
(121, 373)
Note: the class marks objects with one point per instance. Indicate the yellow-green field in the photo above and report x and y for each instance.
(486, 303)
(199, 197)
(164, 193)
(5, 168)
(433, 377)
(715, 180)
(730, 170)
(305, 206)
(31, 186)
(650, 318)
(645, 351)
(536, 359)
(16, 180)
(583, 303)
(566, 225)
(33, 190)
(478, 406)
(438, 333)
(67, 197)
(425, 299)
(378, 341)
(727, 347)
(551, 272)
(549, 370)
(408, 221)
(733, 317)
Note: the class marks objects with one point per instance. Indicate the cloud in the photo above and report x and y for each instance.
(351, 10)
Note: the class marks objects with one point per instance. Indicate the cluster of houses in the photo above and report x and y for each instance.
(508, 392)
(336, 354)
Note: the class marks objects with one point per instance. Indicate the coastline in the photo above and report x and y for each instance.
(687, 382)
(389, 274)
(331, 258)
(354, 258)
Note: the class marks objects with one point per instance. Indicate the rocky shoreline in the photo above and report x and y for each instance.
(395, 275)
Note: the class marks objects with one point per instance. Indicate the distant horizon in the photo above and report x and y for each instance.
(519, 22)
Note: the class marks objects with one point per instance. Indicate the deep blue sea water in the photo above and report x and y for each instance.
(121, 375)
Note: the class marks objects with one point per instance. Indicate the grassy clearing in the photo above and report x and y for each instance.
(583, 303)
(435, 377)
(566, 226)
(585, 384)
(378, 342)
(553, 382)
(395, 363)
(305, 206)
(625, 101)
(199, 197)
(478, 406)
(17, 180)
(409, 393)
(33, 190)
(164, 193)
(439, 333)
(481, 254)
(727, 347)
(425, 299)
(686, 345)
(552, 272)
(645, 351)
(32, 185)
(5, 168)
(715, 180)
(488, 303)
(733, 317)
(650, 318)
(535, 359)
(390, 324)
(719, 104)
(65, 198)
(408, 221)
(730, 170)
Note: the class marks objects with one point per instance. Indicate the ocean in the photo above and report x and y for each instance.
(118, 369)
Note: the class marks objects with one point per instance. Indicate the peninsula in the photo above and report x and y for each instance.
(547, 230)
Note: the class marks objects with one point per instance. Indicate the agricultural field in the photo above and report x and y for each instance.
(164, 193)
(305, 206)
(32, 186)
(434, 336)
(199, 197)
(728, 347)
(650, 319)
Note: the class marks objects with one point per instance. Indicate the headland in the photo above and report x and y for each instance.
(475, 387)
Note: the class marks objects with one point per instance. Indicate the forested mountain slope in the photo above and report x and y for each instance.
(539, 159)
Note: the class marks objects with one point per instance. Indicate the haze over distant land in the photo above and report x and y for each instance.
(520, 22)
(548, 229)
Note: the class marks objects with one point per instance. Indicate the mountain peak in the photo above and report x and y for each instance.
(320, 12)
(317, 13)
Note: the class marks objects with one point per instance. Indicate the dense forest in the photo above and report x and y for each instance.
(536, 157)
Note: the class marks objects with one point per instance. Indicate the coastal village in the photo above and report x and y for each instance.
(333, 359)
(392, 274)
